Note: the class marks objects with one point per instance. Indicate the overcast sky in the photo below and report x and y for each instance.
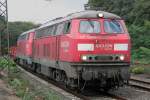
(40, 11)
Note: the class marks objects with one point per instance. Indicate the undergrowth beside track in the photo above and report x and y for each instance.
(22, 88)
(140, 69)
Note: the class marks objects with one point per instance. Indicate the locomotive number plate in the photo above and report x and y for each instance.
(104, 46)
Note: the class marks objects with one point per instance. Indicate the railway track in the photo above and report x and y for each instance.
(116, 96)
(76, 93)
(141, 84)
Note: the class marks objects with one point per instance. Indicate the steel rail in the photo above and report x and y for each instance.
(140, 84)
(140, 81)
(116, 96)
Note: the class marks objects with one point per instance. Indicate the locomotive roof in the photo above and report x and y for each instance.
(32, 30)
(82, 14)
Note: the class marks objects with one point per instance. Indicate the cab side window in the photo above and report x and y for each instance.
(60, 28)
(23, 37)
(28, 36)
(53, 30)
(67, 27)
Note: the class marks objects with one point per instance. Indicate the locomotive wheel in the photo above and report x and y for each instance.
(66, 83)
(38, 69)
(63, 77)
(50, 73)
(32, 67)
(70, 84)
(54, 75)
(58, 76)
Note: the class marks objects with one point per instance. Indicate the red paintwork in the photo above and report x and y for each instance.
(12, 51)
(24, 47)
(64, 47)
(50, 48)
(103, 38)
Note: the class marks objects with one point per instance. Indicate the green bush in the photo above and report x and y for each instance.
(7, 63)
(137, 70)
(142, 55)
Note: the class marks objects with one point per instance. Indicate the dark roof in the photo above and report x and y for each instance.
(93, 14)
(82, 14)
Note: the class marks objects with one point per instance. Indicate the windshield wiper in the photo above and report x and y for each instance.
(116, 22)
(91, 24)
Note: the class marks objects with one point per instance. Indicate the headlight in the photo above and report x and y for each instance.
(122, 57)
(84, 58)
(100, 15)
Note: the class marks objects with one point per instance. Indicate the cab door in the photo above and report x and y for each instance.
(59, 33)
(57, 47)
(30, 43)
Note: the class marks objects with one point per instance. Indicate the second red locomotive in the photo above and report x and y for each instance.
(89, 48)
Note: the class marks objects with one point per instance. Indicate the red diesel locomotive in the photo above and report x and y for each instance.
(12, 52)
(88, 48)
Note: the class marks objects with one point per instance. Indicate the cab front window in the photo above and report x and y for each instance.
(89, 26)
(113, 26)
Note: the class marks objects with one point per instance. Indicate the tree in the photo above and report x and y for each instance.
(15, 29)
(140, 12)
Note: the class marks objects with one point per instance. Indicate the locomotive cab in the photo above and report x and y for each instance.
(24, 47)
(112, 43)
(101, 40)
(100, 49)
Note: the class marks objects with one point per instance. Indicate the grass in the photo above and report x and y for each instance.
(23, 88)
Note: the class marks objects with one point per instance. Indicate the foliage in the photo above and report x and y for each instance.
(142, 55)
(14, 29)
(137, 70)
(140, 69)
(19, 85)
(6, 63)
(140, 35)
(147, 70)
(22, 87)
(144, 52)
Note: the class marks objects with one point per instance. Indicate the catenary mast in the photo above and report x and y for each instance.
(4, 22)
